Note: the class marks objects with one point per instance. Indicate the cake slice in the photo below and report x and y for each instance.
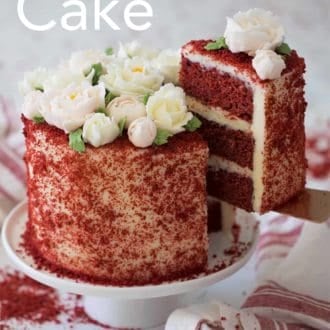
(254, 127)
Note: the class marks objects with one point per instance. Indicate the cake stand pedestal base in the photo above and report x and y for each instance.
(137, 313)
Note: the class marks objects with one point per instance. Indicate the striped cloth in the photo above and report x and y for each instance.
(292, 258)
(12, 168)
(293, 272)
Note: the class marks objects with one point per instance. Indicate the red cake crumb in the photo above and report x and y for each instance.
(22, 298)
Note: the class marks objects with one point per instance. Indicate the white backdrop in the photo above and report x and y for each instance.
(175, 22)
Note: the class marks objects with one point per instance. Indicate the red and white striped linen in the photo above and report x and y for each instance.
(12, 169)
(293, 276)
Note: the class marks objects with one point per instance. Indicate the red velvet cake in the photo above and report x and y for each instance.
(116, 178)
(254, 127)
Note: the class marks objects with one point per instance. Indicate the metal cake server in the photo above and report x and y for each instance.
(312, 205)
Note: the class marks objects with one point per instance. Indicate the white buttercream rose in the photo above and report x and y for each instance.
(62, 78)
(99, 129)
(168, 109)
(132, 77)
(32, 104)
(34, 80)
(268, 64)
(168, 63)
(82, 61)
(252, 30)
(142, 132)
(135, 49)
(126, 106)
(67, 108)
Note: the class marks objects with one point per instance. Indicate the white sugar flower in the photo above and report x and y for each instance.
(135, 49)
(82, 61)
(252, 30)
(62, 78)
(168, 63)
(132, 77)
(99, 129)
(67, 108)
(126, 106)
(168, 109)
(32, 104)
(142, 132)
(33, 80)
(268, 64)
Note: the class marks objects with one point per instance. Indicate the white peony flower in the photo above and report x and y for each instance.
(142, 132)
(67, 108)
(99, 129)
(62, 78)
(33, 80)
(168, 109)
(132, 77)
(252, 30)
(82, 61)
(126, 106)
(32, 104)
(268, 64)
(135, 49)
(168, 63)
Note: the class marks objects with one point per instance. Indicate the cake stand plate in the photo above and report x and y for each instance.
(137, 306)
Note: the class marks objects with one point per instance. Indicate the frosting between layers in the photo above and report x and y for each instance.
(217, 162)
(217, 114)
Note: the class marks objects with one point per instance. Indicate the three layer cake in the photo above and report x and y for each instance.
(254, 124)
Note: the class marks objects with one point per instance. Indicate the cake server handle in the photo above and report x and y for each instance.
(312, 205)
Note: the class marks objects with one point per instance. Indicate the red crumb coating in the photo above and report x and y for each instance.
(284, 171)
(230, 187)
(117, 213)
(234, 145)
(214, 215)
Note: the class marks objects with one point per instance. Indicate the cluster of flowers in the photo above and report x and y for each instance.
(95, 95)
(258, 33)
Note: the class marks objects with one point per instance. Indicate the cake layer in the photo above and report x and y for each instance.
(234, 145)
(217, 89)
(231, 187)
(118, 214)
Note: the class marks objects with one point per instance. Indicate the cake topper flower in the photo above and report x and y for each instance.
(95, 96)
(256, 31)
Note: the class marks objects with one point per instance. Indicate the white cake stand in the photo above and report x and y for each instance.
(139, 306)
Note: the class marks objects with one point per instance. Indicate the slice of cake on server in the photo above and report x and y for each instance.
(248, 89)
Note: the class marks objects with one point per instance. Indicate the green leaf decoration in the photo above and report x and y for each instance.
(98, 71)
(76, 141)
(162, 137)
(218, 44)
(101, 110)
(146, 98)
(193, 124)
(121, 125)
(38, 119)
(283, 49)
(109, 97)
(39, 88)
(109, 51)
